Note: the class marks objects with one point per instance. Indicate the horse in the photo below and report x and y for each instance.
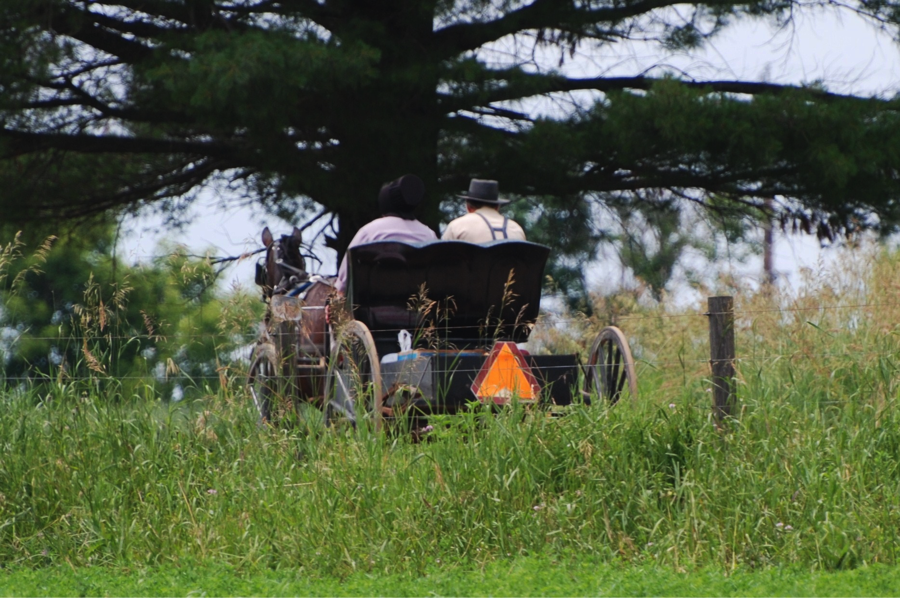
(299, 349)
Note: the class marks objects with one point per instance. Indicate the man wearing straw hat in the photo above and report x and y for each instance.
(483, 222)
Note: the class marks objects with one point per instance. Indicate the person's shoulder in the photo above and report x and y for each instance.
(516, 233)
(419, 224)
(381, 222)
(464, 218)
(371, 228)
(362, 234)
(452, 231)
(425, 230)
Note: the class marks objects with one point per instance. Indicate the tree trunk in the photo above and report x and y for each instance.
(404, 132)
(768, 246)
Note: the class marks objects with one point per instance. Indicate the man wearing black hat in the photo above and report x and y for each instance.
(397, 200)
(483, 222)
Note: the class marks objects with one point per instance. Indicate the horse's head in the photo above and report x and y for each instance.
(285, 266)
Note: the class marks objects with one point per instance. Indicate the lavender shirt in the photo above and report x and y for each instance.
(386, 228)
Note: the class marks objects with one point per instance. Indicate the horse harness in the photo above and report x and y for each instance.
(495, 230)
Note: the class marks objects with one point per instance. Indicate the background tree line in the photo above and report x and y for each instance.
(71, 310)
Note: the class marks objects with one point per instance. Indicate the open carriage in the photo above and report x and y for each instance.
(427, 328)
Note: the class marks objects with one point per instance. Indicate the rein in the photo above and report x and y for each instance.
(282, 264)
(222, 260)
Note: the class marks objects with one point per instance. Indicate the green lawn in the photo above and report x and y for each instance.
(520, 577)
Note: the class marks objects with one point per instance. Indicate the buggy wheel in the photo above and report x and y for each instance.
(353, 382)
(610, 367)
(263, 381)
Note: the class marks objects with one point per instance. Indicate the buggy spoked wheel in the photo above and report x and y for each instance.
(353, 384)
(263, 381)
(610, 367)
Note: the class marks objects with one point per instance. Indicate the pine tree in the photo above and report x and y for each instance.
(116, 104)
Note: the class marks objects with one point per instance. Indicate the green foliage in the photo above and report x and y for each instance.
(656, 233)
(229, 74)
(119, 480)
(654, 266)
(565, 224)
(75, 311)
(837, 163)
(107, 105)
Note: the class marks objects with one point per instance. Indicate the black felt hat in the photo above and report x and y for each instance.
(485, 191)
(401, 196)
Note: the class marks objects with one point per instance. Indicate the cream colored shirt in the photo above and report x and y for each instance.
(474, 229)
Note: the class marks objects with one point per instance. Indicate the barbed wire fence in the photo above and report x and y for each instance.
(234, 350)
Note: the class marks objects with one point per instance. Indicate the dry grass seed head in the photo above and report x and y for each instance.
(420, 302)
(151, 329)
(92, 362)
(13, 251)
(172, 368)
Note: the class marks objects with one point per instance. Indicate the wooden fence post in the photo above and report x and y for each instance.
(721, 354)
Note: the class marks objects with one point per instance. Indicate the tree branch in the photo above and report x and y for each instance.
(83, 26)
(190, 14)
(87, 100)
(540, 14)
(20, 143)
(527, 85)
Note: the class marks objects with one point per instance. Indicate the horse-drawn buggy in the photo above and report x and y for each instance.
(423, 329)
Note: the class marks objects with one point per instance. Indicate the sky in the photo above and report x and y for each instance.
(846, 53)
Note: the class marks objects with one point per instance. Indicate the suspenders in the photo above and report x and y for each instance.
(494, 231)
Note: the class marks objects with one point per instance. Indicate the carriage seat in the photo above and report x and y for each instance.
(474, 303)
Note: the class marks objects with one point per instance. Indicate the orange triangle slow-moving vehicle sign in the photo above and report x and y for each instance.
(504, 375)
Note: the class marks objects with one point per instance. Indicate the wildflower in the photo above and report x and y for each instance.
(671, 405)
(779, 525)
(428, 429)
(788, 528)
(212, 491)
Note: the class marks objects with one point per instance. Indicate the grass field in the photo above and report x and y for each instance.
(514, 577)
(104, 482)
(97, 482)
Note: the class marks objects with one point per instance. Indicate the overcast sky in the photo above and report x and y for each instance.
(847, 54)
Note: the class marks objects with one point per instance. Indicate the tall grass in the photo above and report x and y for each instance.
(807, 474)
(87, 480)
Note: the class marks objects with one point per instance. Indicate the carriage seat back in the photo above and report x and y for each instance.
(481, 292)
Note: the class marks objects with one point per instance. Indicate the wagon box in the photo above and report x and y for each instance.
(462, 298)
(442, 381)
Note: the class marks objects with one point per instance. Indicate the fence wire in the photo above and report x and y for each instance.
(236, 343)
